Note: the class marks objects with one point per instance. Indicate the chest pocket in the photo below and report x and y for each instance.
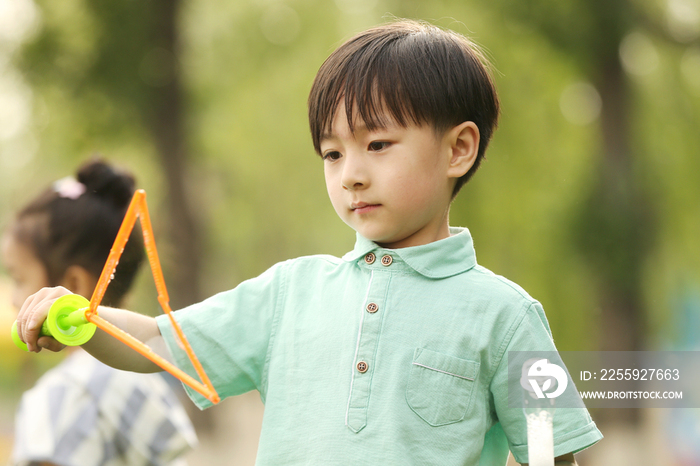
(440, 387)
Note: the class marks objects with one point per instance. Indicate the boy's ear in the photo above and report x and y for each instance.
(464, 147)
(79, 281)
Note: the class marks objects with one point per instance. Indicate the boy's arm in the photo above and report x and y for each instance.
(114, 353)
(563, 460)
(102, 346)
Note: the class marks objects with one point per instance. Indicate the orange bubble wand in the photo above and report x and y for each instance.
(70, 317)
(138, 208)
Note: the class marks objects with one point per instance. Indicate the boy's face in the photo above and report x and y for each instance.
(391, 185)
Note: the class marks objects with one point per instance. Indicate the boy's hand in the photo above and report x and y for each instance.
(33, 313)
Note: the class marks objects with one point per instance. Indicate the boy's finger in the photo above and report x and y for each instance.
(50, 344)
(32, 324)
(23, 314)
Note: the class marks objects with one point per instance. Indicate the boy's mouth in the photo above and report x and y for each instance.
(363, 207)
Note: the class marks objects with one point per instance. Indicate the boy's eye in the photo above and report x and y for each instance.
(331, 156)
(376, 146)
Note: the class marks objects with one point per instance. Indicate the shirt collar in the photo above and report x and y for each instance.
(439, 259)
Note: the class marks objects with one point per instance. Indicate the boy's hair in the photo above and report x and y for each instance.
(75, 222)
(416, 73)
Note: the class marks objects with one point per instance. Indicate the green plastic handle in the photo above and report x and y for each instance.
(65, 322)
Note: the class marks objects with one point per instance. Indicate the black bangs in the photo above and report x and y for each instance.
(405, 73)
(376, 87)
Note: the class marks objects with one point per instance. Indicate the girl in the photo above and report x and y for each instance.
(83, 412)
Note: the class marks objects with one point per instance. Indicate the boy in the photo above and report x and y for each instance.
(396, 353)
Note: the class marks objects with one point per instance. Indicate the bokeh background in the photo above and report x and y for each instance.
(589, 197)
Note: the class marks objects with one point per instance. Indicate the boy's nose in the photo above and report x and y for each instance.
(354, 175)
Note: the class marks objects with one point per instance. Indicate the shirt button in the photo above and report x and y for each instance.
(387, 260)
(370, 257)
(362, 367)
(372, 308)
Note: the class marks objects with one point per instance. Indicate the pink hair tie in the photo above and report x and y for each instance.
(69, 187)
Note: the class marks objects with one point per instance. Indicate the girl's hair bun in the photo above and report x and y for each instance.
(104, 181)
(75, 223)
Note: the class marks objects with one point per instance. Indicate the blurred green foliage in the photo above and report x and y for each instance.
(258, 187)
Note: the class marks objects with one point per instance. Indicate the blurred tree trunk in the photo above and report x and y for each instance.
(620, 220)
(166, 125)
(614, 227)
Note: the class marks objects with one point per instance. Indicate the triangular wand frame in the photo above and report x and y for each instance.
(139, 209)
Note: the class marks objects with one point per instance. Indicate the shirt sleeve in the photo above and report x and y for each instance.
(573, 428)
(230, 333)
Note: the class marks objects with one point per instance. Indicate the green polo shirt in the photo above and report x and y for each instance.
(382, 357)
